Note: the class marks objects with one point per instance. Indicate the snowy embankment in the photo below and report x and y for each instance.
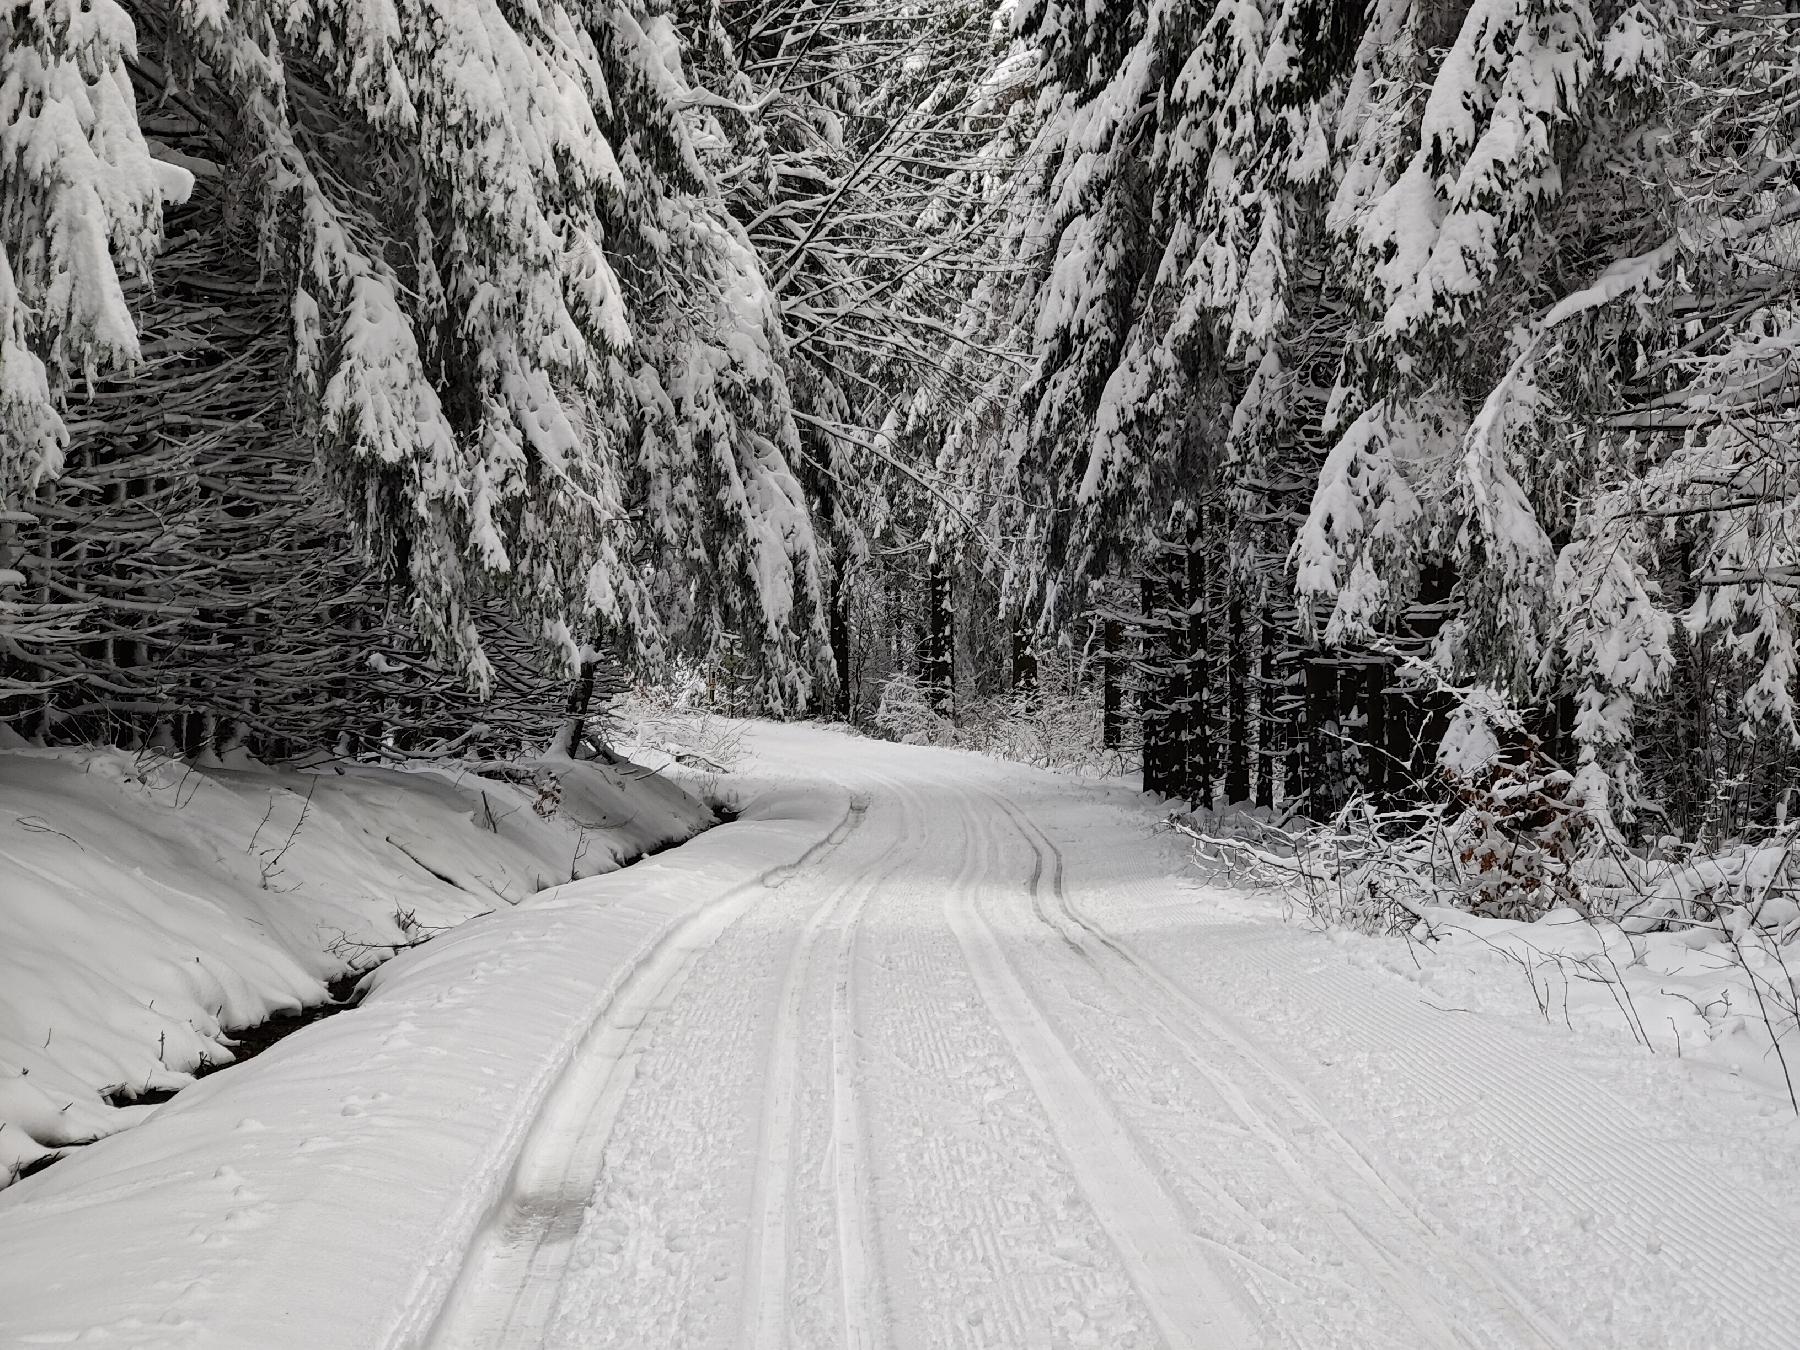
(362, 1158)
(1719, 1001)
(149, 907)
(1699, 961)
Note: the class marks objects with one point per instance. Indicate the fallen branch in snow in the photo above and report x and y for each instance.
(38, 826)
(1360, 871)
(414, 934)
(270, 863)
(441, 876)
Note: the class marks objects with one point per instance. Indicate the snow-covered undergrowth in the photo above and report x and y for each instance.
(1056, 726)
(149, 906)
(1059, 725)
(1688, 952)
(658, 734)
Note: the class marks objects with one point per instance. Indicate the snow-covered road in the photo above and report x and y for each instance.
(946, 1085)
(972, 1067)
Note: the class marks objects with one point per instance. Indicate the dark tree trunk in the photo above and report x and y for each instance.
(1321, 745)
(1294, 725)
(902, 631)
(838, 626)
(1403, 723)
(1196, 703)
(1347, 684)
(1156, 681)
(1112, 718)
(1379, 776)
(581, 702)
(1237, 703)
(1268, 721)
(940, 658)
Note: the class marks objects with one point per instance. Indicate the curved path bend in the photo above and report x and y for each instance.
(979, 1072)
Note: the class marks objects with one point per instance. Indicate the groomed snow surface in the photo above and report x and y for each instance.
(923, 1051)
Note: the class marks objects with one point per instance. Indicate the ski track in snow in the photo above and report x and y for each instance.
(505, 1294)
(1345, 1201)
(1562, 1171)
(1191, 1305)
(954, 1145)
(975, 1073)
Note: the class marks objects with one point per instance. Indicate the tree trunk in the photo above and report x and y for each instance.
(1268, 720)
(1112, 720)
(1379, 776)
(581, 700)
(838, 626)
(1237, 703)
(940, 669)
(1294, 726)
(1321, 747)
(1153, 695)
(1196, 707)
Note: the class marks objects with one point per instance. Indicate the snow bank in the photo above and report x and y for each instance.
(1716, 1001)
(1697, 959)
(148, 905)
(325, 1193)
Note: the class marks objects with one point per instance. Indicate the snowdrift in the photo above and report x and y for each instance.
(328, 1192)
(148, 906)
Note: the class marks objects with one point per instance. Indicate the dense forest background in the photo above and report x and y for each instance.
(1317, 402)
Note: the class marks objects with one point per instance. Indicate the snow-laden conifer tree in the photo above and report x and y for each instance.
(1676, 589)
(536, 358)
(81, 201)
(1563, 253)
(1177, 150)
(1435, 202)
(1177, 143)
(849, 139)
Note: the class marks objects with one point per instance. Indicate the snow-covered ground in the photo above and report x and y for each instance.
(924, 1051)
(147, 905)
(1720, 1001)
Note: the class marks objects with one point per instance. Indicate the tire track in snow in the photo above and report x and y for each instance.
(1191, 1303)
(1186, 1024)
(767, 1285)
(865, 1318)
(506, 1291)
(990, 1242)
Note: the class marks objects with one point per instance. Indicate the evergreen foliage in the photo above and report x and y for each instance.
(1286, 369)
(1466, 327)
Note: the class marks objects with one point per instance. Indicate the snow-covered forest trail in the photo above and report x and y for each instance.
(977, 1072)
(924, 1052)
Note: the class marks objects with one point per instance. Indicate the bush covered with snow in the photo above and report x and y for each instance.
(1057, 725)
(1686, 948)
(905, 713)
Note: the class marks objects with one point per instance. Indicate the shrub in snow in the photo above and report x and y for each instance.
(1048, 728)
(905, 713)
(1518, 828)
(1057, 724)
